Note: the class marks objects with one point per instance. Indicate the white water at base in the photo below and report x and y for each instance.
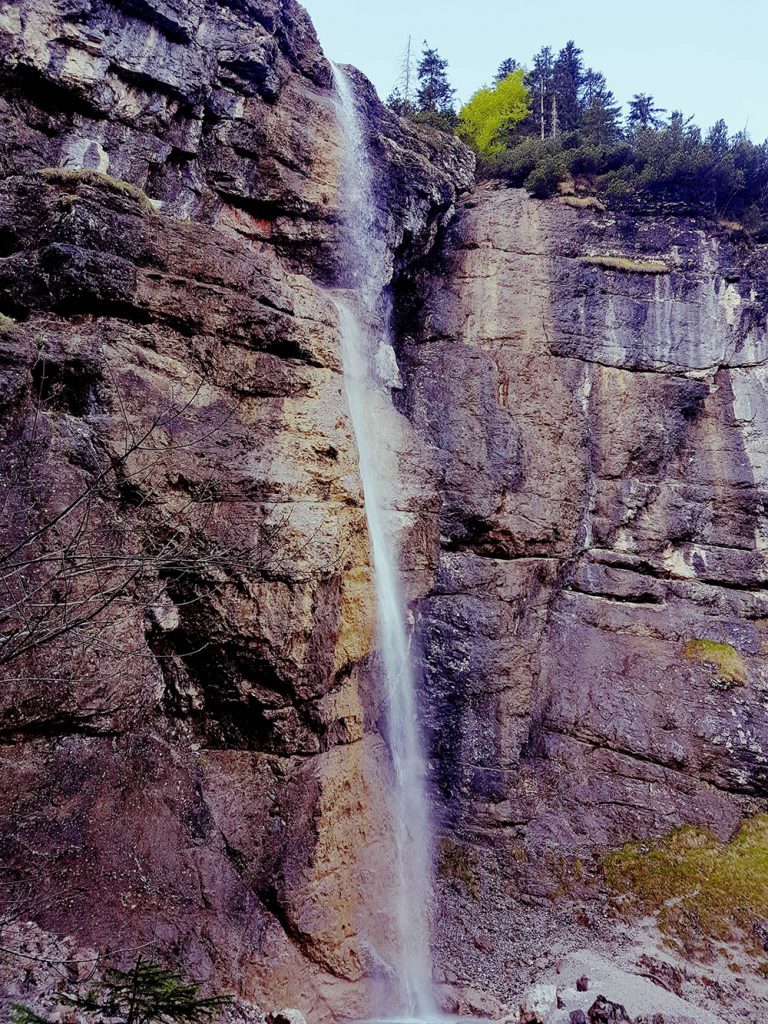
(363, 346)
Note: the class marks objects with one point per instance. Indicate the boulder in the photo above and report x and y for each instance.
(603, 1011)
(538, 1005)
(286, 1017)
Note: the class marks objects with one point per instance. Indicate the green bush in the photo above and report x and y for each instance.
(519, 162)
(442, 120)
(147, 994)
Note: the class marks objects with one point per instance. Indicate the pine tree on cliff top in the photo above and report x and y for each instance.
(643, 113)
(600, 111)
(568, 78)
(435, 95)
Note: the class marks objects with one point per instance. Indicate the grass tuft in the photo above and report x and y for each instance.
(74, 176)
(703, 892)
(726, 659)
(627, 266)
(730, 225)
(584, 203)
(8, 326)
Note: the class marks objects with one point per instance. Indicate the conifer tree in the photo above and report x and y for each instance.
(718, 138)
(567, 77)
(643, 113)
(600, 111)
(147, 994)
(435, 95)
(507, 67)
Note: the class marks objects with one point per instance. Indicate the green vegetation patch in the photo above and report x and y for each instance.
(492, 112)
(703, 891)
(627, 266)
(460, 865)
(726, 659)
(551, 121)
(7, 326)
(584, 203)
(147, 994)
(74, 176)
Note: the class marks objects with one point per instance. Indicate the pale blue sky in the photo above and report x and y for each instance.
(709, 59)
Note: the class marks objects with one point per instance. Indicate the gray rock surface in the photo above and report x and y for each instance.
(601, 507)
(197, 765)
(582, 499)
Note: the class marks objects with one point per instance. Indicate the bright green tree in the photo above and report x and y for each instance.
(486, 120)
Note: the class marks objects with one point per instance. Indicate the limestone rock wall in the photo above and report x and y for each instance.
(583, 465)
(600, 433)
(190, 742)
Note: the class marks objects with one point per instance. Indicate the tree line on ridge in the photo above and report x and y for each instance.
(554, 125)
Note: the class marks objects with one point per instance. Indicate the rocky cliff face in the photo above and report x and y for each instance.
(191, 751)
(190, 712)
(594, 642)
(594, 388)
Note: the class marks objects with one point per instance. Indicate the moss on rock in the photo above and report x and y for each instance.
(74, 176)
(703, 891)
(723, 657)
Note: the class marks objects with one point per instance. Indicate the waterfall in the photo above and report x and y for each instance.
(366, 346)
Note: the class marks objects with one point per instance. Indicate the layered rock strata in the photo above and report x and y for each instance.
(580, 435)
(192, 756)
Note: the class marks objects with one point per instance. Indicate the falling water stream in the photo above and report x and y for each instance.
(366, 348)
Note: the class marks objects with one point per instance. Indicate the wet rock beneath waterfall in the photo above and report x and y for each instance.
(582, 985)
(459, 1001)
(577, 1017)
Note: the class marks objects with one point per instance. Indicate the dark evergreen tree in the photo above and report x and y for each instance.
(643, 113)
(540, 84)
(568, 77)
(147, 994)
(507, 67)
(718, 139)
(434, 95)
(752, 162)
(600, 112)
(592, 83)
(397, 102)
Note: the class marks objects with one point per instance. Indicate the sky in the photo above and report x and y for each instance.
(708, 58)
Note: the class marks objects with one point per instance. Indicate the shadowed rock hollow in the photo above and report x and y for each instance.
(583, 458)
